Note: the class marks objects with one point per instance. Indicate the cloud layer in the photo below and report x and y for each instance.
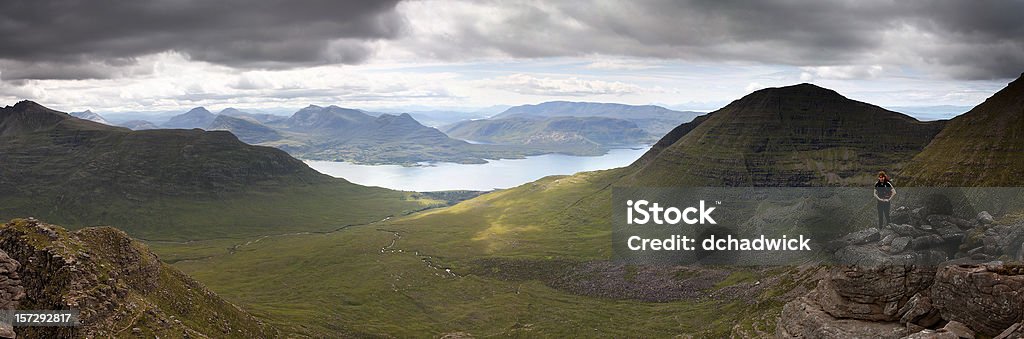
(960, 39)
(60, 39)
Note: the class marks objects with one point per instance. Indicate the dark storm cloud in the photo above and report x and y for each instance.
(965, 39)
(87, 39)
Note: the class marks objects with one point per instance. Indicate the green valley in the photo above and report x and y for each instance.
(532, 260)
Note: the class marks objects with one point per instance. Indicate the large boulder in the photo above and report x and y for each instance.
(804, 318)
(986, 298)
(871, 293)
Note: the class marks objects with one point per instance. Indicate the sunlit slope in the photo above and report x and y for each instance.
(368, 281)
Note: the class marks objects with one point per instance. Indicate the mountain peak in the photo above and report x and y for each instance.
(782, 135)
(800, 90)
(28, 116)
(199, 109)
(26, 105)
(197, 117)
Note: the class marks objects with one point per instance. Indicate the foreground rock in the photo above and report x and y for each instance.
(11, 291)
(118, 286)
(933, 276)
(987, 298)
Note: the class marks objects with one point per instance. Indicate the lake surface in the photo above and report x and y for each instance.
(480, 177)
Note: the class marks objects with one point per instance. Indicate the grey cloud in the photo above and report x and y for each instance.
(237, 33)
(972, 39)
(48, 39)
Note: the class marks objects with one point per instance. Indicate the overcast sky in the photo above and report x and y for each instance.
(112, 56)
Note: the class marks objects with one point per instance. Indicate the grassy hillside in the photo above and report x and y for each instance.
(800, 135)
(431, 277)
(983, 147)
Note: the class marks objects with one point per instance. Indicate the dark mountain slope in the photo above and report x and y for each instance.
(249, 131)
(168, 183)
(800, 135)
(138, 125)
(983, 147)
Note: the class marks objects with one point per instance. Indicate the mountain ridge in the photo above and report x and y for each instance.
(197, 117)
(801, 135)
(654, 119)
(983, 147)
(597, 131)
(89, 115)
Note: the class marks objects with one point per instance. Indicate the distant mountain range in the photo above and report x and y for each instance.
(335, 133)
(197, 117)
(138, 125)
(344, 134)
(89, 115)
(656, 120)
(594, 131)
(437, 119)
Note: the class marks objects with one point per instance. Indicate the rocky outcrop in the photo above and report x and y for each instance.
(804, 318)
(986, 298)
(855, 301)
(11, 291)
(116, 284)
(875, 294)
(932, 276)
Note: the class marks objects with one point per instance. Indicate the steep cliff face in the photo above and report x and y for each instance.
(118, 286)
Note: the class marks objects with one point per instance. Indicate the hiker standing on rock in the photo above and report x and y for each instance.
(884, 191)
